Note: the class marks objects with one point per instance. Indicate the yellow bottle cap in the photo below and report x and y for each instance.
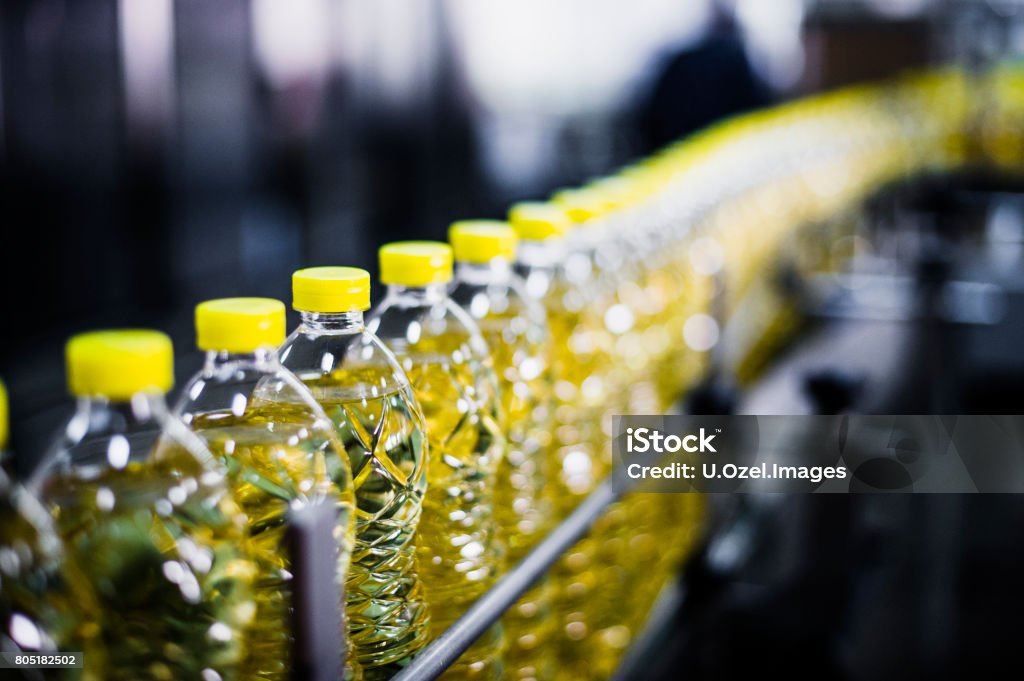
(612, 193)
(481, 241)
(415, 263)
(239, 325)
(580, 205)
(537, 221)
(119, 364)
(4, 418)
(331, 289)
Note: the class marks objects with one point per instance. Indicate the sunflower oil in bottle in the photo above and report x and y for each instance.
(616, 380)
(37, 600)
(639, 531)
(5, 455)
(515, 328)
(659, 295)
(577, 463)
(674, 271)
(146, 518)
(280, 451)
(367, 396)
(35, 616)
(669, 291)
(447, 361)
(596, 340)
(541, 263)
(634, 299)
(640, 293)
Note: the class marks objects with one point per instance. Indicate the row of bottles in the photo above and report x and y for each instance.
(441, 456)
(459, 421)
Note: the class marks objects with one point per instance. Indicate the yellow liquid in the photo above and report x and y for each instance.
(40, 593)
(641, 536)
(168, 562)
(582, 389)
(599, 373)
(639, 530)
(458, 550)
(666, 297)
(274, 463)
(580, 365)
(382, 433)
(524, 500)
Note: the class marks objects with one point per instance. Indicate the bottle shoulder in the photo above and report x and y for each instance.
(147, 454)
(439, 328)
(101, 435)
(500, 305)
(235, 387)
(354, 365)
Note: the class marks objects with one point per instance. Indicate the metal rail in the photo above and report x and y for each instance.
(442, 653)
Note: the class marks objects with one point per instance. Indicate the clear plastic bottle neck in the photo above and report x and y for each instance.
(263, 359)
(425, 295)
(105, 433)
(498, 271)
(541, 253)
(140, 410)
(333, 322)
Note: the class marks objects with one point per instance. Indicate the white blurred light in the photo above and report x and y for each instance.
(1005, 232)
(539, 67)
(118, 452)
(291, 39)
(565, 58)
(25, 633)
(772, 30)
(105, 499)
(238, 404)
(326, 362)
(707, 255)
(701, 332)
(146, 33)
(576, 463)
(618, 319)
(389, 49)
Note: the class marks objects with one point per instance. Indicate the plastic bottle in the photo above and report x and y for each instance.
(280, 450)
(447, 361)
(31, 583)
(544, 261)
(144, 513)
(36, 602)
(610, 234)
(515, 328)
(5, 456)
(367, 396)
(578, 464)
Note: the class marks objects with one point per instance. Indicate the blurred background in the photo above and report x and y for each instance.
(155, 153)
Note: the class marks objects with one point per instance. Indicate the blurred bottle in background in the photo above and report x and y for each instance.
(549, 271)
(515, 328)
